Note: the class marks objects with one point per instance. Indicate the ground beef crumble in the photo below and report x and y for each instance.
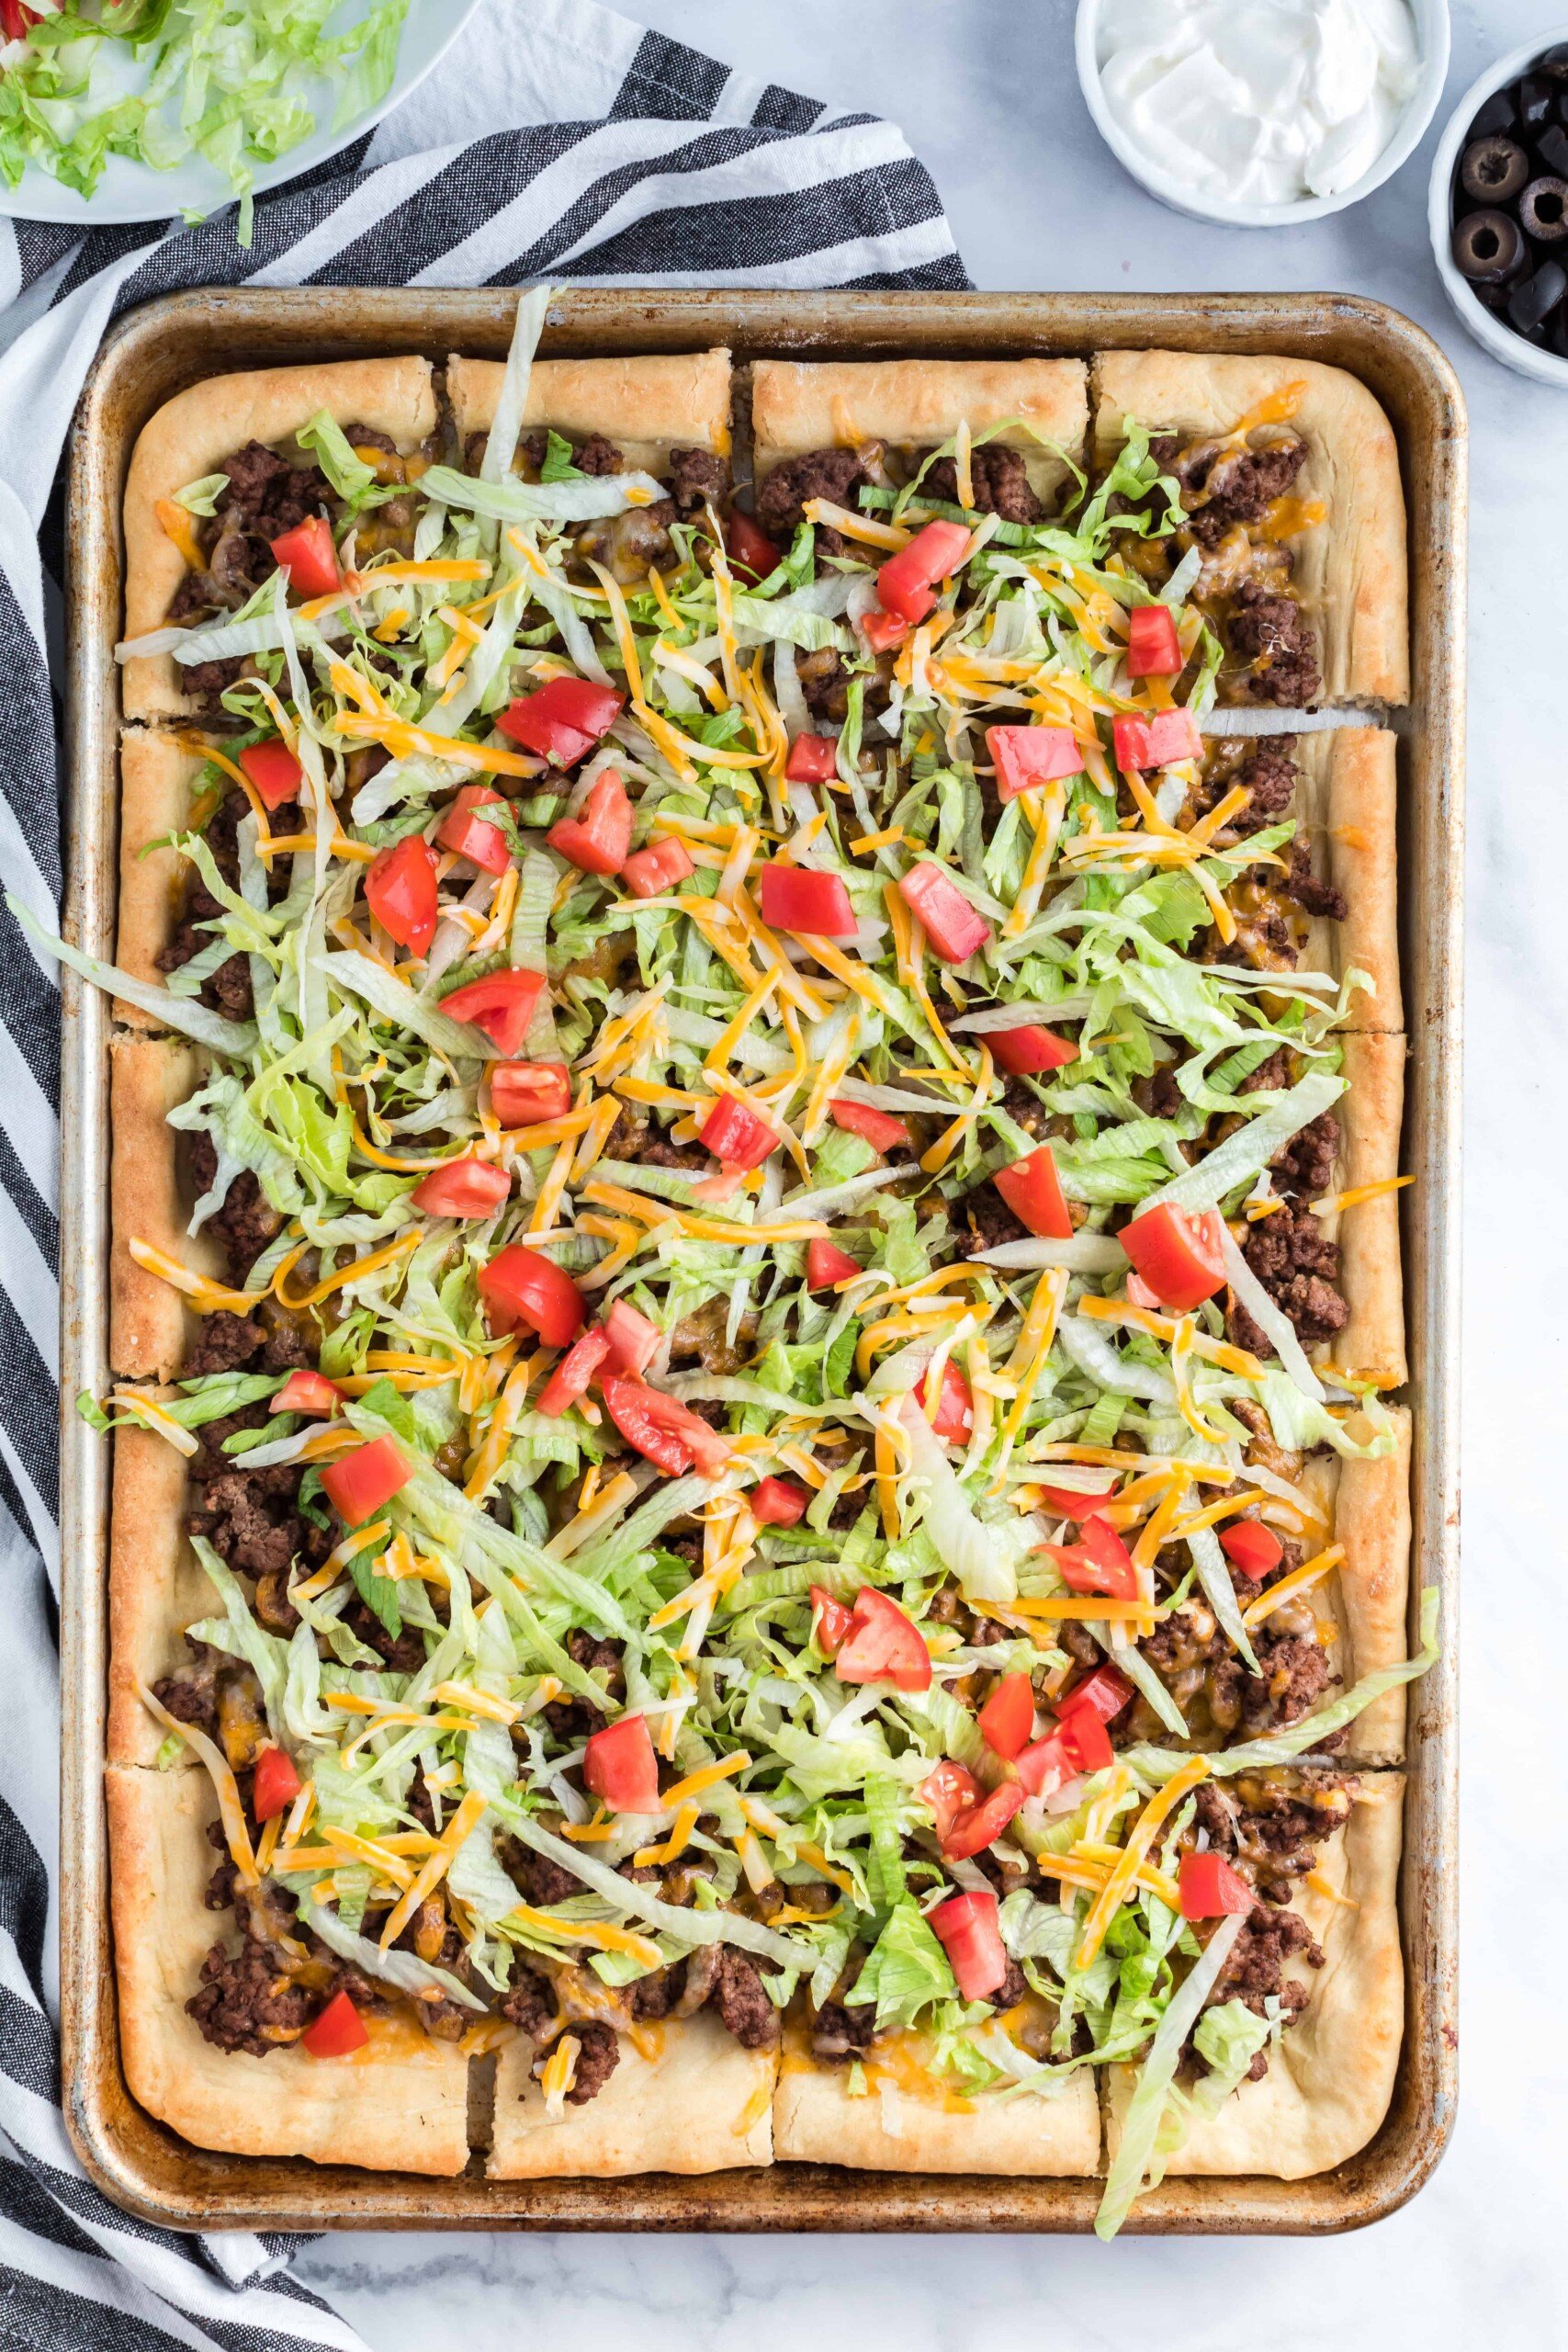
(999, 478)
(833, 474)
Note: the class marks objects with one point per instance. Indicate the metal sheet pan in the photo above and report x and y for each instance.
(154, 352)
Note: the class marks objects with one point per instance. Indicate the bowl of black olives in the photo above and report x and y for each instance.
(1499, 209)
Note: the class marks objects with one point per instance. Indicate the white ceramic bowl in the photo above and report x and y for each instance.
(1499, 338)
(1432, 36)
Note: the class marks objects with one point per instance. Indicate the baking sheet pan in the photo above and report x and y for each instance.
(155, 351)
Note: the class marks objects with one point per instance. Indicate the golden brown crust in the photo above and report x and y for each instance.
(1372, 1345)
(1366, 1507)
(684, 2097)
(1345, 806)
(917, 404)
(399, 2104)
(156, 1587)
(150, 1326)
(646, 406)
(906, 2122)
(155, 801)
(1351, 571)
(191, 434)
(1331, 2075)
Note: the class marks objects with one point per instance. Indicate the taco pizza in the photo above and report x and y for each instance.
(759, 1510)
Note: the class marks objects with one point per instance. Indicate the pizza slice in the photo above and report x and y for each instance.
(1293, 512)
(221, 479)
(1288, 2064)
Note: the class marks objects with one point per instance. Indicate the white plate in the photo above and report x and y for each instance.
(130, 190)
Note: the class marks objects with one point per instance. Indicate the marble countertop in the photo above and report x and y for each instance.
(987, 93)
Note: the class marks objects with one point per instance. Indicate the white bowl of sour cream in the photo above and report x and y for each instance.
(1257, 113)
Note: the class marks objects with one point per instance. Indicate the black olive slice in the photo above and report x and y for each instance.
(1552, 149)
(1488, 247)
(1492, 170)
(1543, 210)
(1532, 304)
(1536, 95)
(1554, 64)
(1497, 115)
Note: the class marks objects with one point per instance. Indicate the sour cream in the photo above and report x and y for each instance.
(1258, 101)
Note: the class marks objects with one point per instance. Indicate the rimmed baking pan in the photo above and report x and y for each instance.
(157, 351)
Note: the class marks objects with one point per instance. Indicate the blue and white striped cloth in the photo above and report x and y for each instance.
(641, 162)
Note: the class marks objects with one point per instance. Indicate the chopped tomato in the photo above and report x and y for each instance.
(307, 1391)
(1027, 757)
(881, 631)
(467, 1187)
(274, 770)
(563, 720)
(802, 898)
(16, 21)
(598, 838)
(357, 1485)
(1254, 1548)
(883, 1645)
(735, 1134)
(951, 1791)
(524, 1094)
(1046, 1764)
(620, 1766)
(1098, 1562)
(650, 872)
(751, 549)
(634, 1340)
(663, 1429)
(1104, 1693)
(308, 557)
(521, 1288)
(967, 1928)
(1088, 1741)
(1007, 1719)
(778, 1502)
(813, 759)
(1140, 1295)
(276, 1783)
(1154, 650)
(466, 834)
(1074, 1502)
(338, 2029)
(983, 1823)
(1156, 741)
(831, 1621)
(907, 581)
(952, 924)
(573, 1376)
(955, 1414)
(1210, 1889)
(1025, 1052)
(502, 1004)
(880, 1128)
(826, 1264)
(1033, 1189)
(400, 889)
(1179, 1257)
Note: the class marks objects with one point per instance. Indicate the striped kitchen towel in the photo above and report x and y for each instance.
(642, 162)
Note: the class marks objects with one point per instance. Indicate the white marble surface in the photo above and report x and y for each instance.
(986, 90)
